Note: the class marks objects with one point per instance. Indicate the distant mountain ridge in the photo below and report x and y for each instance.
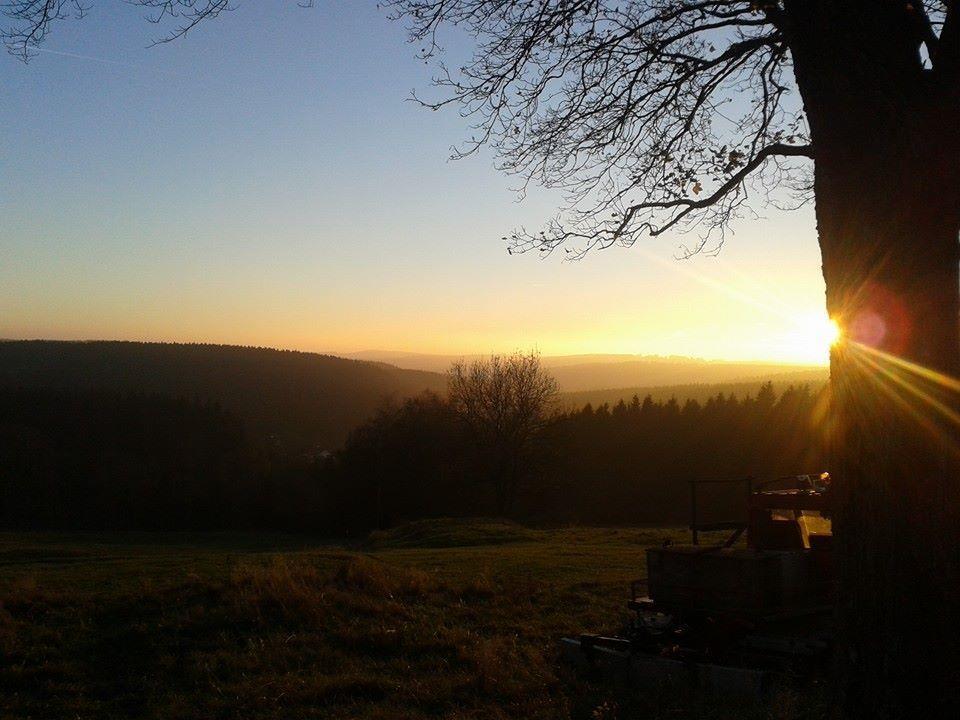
(306, 400)
(577, 373)
(422, 361)
(301, 400)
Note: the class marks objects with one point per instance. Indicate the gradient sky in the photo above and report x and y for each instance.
(264, 181)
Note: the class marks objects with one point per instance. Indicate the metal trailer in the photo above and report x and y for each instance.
(732, 615)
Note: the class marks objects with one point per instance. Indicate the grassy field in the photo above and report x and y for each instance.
(437, 619)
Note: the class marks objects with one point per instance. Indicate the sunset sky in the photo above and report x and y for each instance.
(264, 181)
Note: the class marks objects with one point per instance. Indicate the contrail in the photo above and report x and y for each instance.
(105, 61)
(83, 57)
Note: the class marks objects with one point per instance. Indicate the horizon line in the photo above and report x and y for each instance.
(346, 355)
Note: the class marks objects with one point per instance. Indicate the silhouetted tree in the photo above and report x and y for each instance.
(505, 401)
(661, 114)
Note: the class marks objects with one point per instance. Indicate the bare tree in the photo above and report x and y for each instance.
(674, 115)
(505, 402)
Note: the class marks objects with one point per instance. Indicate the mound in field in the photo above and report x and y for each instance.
(450, 532)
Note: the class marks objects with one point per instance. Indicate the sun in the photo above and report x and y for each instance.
(830, 332)
(810, 338)
(820, 331)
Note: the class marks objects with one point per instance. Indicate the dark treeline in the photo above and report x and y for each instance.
(633, 462)
(630, 463)
(94, 459)
(107, 460)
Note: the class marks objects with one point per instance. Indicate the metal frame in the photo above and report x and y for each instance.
(738, 526)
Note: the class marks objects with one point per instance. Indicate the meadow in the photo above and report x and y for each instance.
(451, 619)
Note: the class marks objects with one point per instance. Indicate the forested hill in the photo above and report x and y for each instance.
(302, 400)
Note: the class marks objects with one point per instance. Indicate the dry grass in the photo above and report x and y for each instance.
(374, 577)
(206, 627)
(450, 533)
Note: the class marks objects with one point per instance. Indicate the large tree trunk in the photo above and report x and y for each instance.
(894, 434)
(887, 216)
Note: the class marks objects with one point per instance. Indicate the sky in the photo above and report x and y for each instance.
(267, 181)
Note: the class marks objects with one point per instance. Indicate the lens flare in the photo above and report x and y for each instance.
(869, 328)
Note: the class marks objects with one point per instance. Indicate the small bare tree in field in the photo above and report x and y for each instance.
(505, 402)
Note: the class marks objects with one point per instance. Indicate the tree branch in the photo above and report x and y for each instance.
(687, 206)
(33, 18)
(614, 102)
